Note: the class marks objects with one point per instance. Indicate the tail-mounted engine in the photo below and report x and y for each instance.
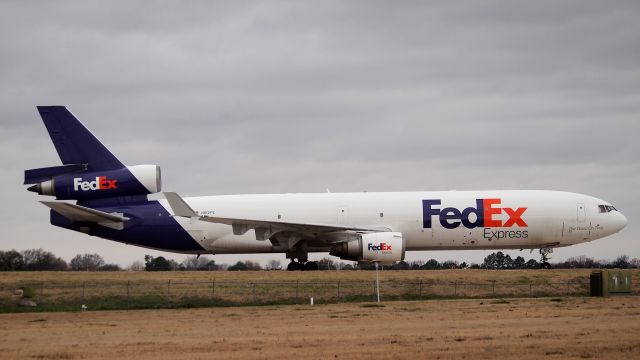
(74, 182)
(383, 247)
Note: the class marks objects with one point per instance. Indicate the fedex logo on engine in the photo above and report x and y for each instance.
(381, 247)
(100, 183)
(485, 215)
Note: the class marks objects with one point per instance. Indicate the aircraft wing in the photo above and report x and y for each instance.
(264, 228)
(79, 213)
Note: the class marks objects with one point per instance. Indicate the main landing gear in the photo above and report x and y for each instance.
(299, 251)
(302, 266)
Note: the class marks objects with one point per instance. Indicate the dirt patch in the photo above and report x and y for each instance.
(574, 328)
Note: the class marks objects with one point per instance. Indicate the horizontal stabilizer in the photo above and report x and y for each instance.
(39, 175)
(79, 213)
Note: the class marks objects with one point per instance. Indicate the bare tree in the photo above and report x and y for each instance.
(136, 266)
(86, 262)
(274, 265)
(38, 259)
(326, 264)
(190, 263)
(252, 265)
(621, 262)
(198, 263)
(11, 260)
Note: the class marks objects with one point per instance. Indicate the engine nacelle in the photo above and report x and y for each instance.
(383, 247)
(131, 180)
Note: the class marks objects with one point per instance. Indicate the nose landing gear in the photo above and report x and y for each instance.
(544, 257)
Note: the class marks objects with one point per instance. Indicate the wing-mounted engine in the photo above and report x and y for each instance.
(75, 182)
(383, 247)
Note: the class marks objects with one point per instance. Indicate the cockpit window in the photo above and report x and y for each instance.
(606, 208)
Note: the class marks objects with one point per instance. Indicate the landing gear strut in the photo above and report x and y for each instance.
(300, 252)
(544, 258)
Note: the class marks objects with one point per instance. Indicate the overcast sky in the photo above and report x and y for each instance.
(296, 96)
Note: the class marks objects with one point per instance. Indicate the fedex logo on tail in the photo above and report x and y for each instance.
(100, 183)
(485, 215)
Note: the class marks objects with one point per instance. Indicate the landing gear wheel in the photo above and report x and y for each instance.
(311, 266)
(294, 266)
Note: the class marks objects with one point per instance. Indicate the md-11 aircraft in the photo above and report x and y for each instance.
(108, 199)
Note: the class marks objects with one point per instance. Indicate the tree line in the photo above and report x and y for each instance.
(41, 260)
(494, 261)
(501, 261)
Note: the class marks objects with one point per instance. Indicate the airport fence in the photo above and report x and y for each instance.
(175, 294)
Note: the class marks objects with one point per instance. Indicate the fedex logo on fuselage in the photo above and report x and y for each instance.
(485, 212)
(381, 247)
(100, 183)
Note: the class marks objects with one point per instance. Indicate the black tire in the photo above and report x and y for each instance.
(294, 266)
(311, 266)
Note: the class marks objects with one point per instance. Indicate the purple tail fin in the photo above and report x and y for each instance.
(74, 143)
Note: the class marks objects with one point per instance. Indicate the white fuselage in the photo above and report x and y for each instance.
(112, 203)
(437, 220)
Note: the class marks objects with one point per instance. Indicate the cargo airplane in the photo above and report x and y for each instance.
(108, 199)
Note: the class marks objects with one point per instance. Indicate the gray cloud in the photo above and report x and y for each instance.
(300, 96)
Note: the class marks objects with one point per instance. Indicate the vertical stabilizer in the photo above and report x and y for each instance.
(74, 143)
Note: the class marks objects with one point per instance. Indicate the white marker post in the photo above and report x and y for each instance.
(377, 283)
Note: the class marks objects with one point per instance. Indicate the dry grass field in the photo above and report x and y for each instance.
(549, 328)
(67, 291)
(466, 275)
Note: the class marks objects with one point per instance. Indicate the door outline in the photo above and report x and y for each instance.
(581, 212)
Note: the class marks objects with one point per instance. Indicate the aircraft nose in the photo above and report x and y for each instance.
(620, 221)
